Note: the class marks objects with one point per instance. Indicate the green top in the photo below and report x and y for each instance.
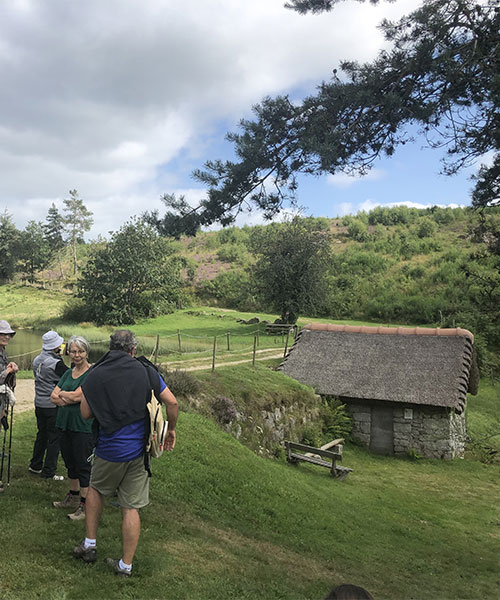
(69, 417)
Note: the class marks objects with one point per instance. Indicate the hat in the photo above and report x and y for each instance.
(6, 328)
(51, 340)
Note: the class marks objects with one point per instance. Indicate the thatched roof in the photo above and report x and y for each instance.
(396, 364)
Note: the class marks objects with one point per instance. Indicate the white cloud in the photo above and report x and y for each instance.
(342, 180)
(112, 98)
(369, 204)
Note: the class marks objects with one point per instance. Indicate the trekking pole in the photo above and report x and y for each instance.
(10, 444)
(5, 427)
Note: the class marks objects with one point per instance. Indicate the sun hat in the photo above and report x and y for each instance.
(51, 340)
(6, 328)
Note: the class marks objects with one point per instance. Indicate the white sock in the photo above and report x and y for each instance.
(89, 543)
(124, 566)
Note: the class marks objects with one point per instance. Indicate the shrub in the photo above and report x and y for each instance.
(223, 409)
(181, 383)
(75, 310)
(336, 421)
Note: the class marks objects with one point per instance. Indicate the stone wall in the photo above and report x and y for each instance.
(433, 432)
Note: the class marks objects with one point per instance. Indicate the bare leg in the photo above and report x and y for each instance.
(84, 491)
(93, 511)
(74, 485)
(131, 530)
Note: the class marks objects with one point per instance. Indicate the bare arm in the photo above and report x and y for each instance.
(71, 397)
(172, 408)
(10, 368)
(85, 409)
(54, 397)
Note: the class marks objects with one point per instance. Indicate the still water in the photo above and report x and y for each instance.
(27, 343)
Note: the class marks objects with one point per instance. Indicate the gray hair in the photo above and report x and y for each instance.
(123, 340)
(79, 341)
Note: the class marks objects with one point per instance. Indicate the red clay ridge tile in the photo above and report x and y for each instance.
(390, 330)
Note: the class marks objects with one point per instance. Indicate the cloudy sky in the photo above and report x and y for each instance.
(122, 99)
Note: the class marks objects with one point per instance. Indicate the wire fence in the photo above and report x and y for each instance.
(181, 345)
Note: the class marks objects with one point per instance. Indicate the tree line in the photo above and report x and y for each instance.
(33, 249)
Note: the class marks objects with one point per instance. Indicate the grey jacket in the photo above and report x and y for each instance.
(48, 367)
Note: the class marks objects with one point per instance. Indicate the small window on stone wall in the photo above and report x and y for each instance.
(409, 413)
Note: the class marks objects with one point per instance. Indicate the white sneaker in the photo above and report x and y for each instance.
(53, 478)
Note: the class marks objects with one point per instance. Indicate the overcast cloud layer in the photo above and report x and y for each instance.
(121, 99)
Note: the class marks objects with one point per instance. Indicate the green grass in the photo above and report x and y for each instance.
(30, 307)
(25, 306)
(225, 524)
(483, 415)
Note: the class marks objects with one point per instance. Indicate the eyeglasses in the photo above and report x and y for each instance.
(9, 335)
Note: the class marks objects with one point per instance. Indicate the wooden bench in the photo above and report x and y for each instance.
(332, 451)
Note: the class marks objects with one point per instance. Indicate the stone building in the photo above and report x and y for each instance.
(406, 388)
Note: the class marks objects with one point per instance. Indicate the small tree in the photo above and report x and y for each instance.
(54, 228)
(291, 267)
(9, 247)
(34, 251)
(133, 276)
(77, 220)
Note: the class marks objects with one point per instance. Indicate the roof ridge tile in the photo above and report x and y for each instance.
(384, 330)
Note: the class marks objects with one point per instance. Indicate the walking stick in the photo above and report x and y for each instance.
(5, 425)
(11, 383)
(10, 444)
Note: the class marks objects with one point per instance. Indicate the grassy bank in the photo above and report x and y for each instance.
(226, 524)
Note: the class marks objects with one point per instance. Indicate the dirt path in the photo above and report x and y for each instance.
(25, 394)
(204, 364)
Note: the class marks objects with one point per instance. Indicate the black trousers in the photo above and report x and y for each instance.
(76, 447)
(46, 448)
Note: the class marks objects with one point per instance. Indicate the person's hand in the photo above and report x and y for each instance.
(169, 441)
(12, 367)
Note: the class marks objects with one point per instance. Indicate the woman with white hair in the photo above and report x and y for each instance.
(76, 438)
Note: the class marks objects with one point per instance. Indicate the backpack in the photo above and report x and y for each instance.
(158, 425)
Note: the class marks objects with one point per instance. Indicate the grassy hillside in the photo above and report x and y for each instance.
(226, 524)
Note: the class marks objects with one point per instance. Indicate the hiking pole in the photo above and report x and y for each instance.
(10, 444)
(5, 425)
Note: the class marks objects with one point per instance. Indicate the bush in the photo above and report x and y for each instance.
(337, 423)
(75, 310)
(223, 409)
(233, 253)
(181, 383)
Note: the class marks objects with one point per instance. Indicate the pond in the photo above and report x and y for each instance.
(27, 343)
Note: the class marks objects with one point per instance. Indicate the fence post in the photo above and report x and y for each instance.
(156, 349)
(213, 357)
(286, 342)
(179, 339)
(258, 338)
(227, 335)
(254, 350)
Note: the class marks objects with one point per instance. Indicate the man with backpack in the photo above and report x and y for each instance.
(116, 393)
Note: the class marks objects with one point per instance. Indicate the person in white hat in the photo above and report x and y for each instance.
(6, 367)
(48, 367)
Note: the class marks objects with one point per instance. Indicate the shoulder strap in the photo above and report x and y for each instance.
(154, 382)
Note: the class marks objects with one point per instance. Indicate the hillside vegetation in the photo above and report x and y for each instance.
(436, 266)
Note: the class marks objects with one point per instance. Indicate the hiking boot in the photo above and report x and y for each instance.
(69, 501)
(88, 555)
(34, 471)
(79, 514)
(115, 563)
